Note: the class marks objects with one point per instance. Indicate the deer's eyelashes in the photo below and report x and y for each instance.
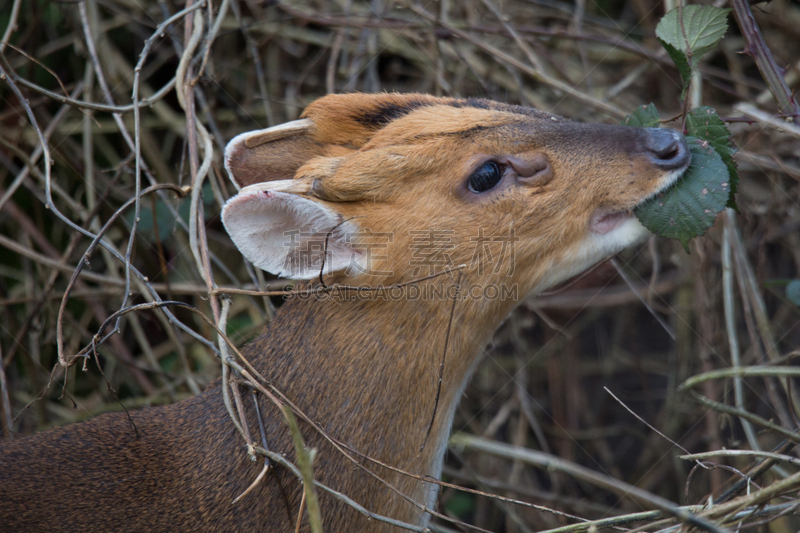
(486, 177)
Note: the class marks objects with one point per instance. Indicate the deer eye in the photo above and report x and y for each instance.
(485, 177)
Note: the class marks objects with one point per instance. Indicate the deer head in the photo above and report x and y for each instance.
(372, 189)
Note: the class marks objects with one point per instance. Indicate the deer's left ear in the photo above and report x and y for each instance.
(271, 154)
(289, 235)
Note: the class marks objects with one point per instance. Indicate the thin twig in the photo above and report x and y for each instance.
(440, 373)
(12, 25)
(764, 60)
(730, 324)
(605, 107)
(533, 457)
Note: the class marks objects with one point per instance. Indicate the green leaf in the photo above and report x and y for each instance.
(645, 116)
(679, 58)
(147, 222)
(688, 208)
(694, 30)
(460, 504)
(793, 291)
(163, 219)
(704, 123)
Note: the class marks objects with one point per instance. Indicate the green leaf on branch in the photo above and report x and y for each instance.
(694, 30)
(689, 207)
(680, 60)
(645, 116)
(704, 123)
(793, 292)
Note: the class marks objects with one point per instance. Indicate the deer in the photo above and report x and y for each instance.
(376, 194)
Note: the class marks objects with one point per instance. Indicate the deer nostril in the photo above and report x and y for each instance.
(667, 148)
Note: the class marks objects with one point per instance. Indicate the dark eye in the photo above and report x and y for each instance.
(485, 177)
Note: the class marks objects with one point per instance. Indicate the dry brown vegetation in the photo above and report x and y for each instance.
(640, 326)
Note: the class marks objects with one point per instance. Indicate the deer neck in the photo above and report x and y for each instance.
(367, 370)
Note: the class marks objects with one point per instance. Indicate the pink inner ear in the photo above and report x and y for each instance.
(285, 233)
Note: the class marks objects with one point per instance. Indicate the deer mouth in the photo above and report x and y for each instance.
(606, 219)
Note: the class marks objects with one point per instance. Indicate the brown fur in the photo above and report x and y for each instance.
(364, 369)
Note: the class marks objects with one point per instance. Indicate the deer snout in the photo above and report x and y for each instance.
(667, 148)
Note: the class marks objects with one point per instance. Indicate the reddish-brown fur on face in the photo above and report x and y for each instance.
(365, 366)
(411, 156)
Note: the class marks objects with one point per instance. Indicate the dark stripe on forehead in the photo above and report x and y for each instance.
(383, 114)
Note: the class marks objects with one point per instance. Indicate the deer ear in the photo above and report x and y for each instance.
(271, 154)
(333, 126)
(290, 235)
